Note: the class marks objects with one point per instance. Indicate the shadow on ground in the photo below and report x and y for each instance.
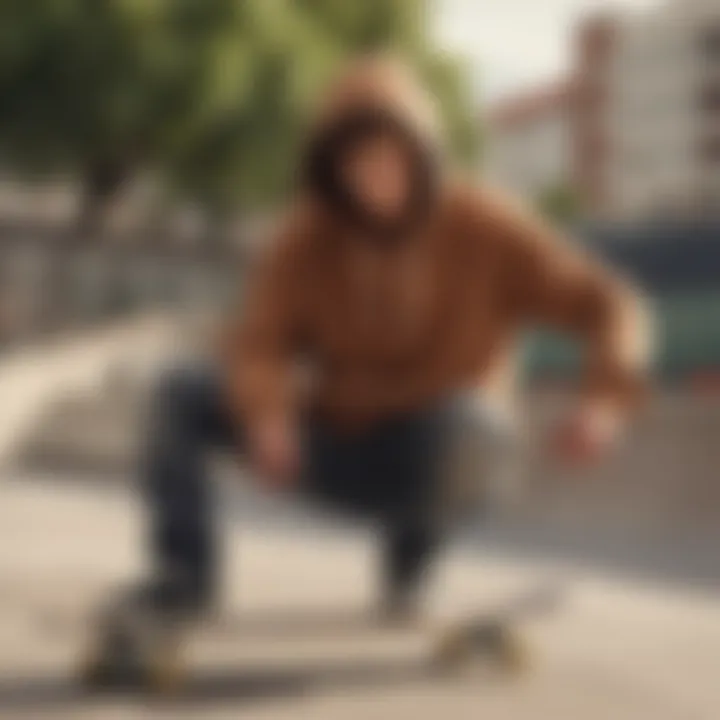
(246, 686)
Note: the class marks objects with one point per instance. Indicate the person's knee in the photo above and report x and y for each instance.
(181, 390)
(408, 552)
(189, 405)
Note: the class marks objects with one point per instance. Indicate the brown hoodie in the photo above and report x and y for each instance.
(388, 327)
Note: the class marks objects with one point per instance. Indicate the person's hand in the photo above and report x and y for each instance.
(587, 435)
(275, 451)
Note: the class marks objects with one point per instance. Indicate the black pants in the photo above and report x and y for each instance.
(388, 473)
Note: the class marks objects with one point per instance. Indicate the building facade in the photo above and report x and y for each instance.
(636, 130)
(662, 113)
(529, 147)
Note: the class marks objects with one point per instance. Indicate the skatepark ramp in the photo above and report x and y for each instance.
(52, 391)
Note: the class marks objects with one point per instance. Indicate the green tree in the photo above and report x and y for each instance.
(247, 158)
(560, 203)
(98, 89)
(210, 94)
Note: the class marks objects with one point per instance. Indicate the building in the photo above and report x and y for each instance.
(589, 140)
(662, 113)
(635, 130)
(529, 142)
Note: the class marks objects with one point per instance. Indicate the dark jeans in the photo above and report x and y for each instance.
(388, 473)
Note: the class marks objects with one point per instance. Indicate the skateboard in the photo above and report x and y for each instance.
(130, 651)
(494, 634)
(152, 658)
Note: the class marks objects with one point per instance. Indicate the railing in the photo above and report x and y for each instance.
(51, 282)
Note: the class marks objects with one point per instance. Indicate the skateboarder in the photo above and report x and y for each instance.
(381, 325)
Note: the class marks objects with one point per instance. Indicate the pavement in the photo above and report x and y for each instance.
(34, 378)
(638, 636)
(620, 647)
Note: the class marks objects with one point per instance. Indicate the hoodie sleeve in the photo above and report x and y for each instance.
(259, 351)
(546, 281)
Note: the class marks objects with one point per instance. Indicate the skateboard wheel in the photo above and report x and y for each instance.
(501, 645)
(452, 650)
(94, 675)
(510, 651)
(157, 670)
(95, 669)
(165, 673)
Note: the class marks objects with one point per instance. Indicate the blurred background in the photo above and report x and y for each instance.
(145, 145)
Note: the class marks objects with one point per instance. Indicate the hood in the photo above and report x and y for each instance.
(374, 95)
(384, 84)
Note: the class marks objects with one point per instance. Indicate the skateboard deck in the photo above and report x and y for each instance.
(494, 633)
(157, 664)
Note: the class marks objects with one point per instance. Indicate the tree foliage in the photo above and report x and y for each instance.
(209, 93)
(560, 203)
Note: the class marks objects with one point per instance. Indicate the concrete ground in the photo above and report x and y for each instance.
(32, 379)
(620, 649)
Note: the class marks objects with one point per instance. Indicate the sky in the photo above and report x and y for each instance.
(513, 44)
